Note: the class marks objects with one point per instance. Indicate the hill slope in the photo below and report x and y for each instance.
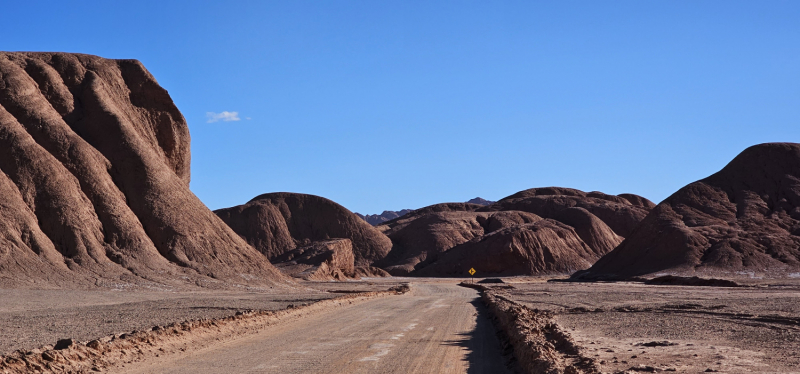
(744, 218)
(579, 226)
(94, 181)
(275, 223)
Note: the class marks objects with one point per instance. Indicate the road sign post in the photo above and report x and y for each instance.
(472, 273)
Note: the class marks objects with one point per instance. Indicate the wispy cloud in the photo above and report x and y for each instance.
(224, 117)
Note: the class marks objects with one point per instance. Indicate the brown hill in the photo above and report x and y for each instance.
(543, 247)
(745, 219)
(419, 239)
(621, 213)
(422, 236)
(275, 223)
(94, 184)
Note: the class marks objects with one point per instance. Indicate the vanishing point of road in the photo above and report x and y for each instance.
(437, 328)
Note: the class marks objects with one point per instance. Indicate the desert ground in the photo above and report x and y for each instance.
(436, 327)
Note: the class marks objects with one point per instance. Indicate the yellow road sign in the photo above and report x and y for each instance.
(472, 271)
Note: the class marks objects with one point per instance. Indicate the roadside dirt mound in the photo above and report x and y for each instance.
(325, 260)
(539, 344)
(543, 247)
(418, 240)
(95, 181)
(275, 223)
(743, 219)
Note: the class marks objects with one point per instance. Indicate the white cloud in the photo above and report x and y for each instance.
(224, 117)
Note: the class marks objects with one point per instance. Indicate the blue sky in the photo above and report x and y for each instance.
(389, 105)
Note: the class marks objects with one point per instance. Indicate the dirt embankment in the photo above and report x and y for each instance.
(538, 343)
(115, 351)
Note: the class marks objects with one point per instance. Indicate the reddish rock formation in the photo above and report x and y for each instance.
(387, 215)
(94, 184)
(420, 237)
(543, 247)
(275, 223)
(324, 260)
(745, 218)
(621, 213)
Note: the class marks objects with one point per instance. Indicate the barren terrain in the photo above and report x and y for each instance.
(34, 318)
(438, 327)
(676, 328)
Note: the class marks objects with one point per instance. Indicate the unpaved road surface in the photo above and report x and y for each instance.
(438, 328)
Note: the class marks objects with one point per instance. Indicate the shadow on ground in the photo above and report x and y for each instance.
(486, 353)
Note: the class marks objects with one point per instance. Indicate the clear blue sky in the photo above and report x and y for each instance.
(401, 104)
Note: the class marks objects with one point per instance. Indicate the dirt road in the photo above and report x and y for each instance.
(438, 328)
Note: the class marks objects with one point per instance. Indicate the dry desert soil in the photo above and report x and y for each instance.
(437, 327)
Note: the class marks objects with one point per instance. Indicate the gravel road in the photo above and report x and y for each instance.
(437, 328)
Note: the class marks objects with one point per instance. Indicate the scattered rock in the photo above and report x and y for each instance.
(48, 356)
(63, 344)
(95, 344)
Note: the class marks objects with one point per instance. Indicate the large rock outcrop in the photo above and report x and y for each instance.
(275, 223)
(425, 237)
(743, 219)
(323, 260)
(94, 180)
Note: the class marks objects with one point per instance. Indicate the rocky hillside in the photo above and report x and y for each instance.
(388, 215)
(275, 223)
(744, 219)
(94, 181)
(565, 228)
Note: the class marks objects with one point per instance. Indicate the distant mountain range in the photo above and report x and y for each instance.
(388, 215)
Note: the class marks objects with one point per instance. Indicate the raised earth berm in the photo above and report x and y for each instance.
(423, 237)
(741, 221)
(276, 223)
(94, 187)
(324, 260)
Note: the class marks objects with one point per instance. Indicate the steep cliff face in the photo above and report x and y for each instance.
(94, 161)
(275, 223)
(745, 219)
